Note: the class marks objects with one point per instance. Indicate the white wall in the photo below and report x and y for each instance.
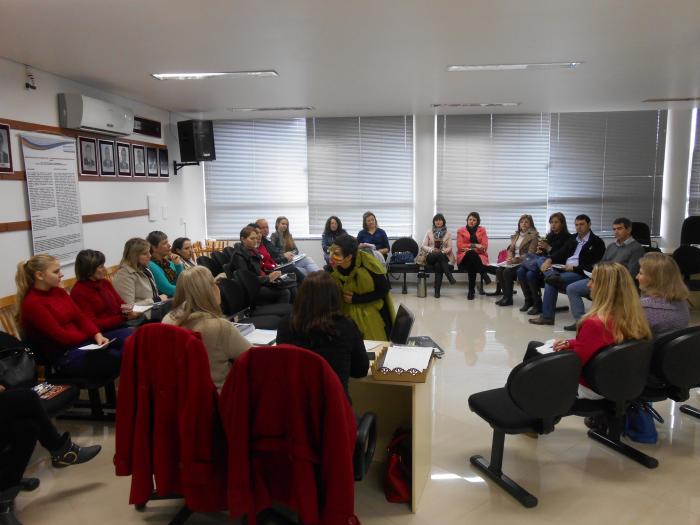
(182, 196)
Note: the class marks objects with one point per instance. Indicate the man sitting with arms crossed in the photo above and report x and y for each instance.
(578, 254)
(625, 250)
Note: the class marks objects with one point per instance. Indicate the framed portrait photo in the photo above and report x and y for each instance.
(123, 159)
(138, 156)
(163, 162)
(107, 164)
(5, 149)
(88, 156)
(152, 161)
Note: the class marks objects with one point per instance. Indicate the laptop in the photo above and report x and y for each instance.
(402, 326)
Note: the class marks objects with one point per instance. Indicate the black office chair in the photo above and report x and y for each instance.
(675, 368)
(688, 259)
(642, 234)
(251, 287)
(229, 252)
(234, 305)
(220, 258)
(619, 374)
(690, 231)
(538, 393)
(404, 244)
(210, 264)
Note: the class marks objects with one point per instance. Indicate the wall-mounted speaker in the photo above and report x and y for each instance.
(196, 139)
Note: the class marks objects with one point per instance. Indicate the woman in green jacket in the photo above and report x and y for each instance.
(365, 288)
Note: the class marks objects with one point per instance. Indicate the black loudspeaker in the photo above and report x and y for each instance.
(196, 139)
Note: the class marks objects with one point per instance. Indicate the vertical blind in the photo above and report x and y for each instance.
(605, 165)
(360, 164)
(694, 193)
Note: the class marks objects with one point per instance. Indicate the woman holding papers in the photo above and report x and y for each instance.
(317, 323)
(54, 325)
(282, 240)
(365, 288)
(96, 296)
(523, 243)
(372, 236)
(616, 316)
(196, 307)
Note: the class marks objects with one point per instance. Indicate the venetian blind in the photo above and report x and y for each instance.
(694, 193)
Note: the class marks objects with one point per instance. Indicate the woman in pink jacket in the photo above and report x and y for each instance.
(438, 244)
(472, 250)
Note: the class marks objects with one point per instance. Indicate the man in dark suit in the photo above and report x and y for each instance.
(578, 254)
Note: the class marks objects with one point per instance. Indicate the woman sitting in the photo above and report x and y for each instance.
(333, 228)
(23, 422)
(56, 328)
(196, 307)
(182, 246)
(317, 323)
(96, 296)
(616, 316)
(438, 244)
(246, 258)
(664, 295)
(365, 288)
(522, 243)
(282, 240)
(165, 265)
(529, 275)
(472, 251)
(134, 281)
(371, 236)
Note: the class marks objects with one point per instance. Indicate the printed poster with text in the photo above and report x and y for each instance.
(54, 198)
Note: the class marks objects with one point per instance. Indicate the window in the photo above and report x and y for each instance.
(605, 165)
(308, 170)
(694, 193)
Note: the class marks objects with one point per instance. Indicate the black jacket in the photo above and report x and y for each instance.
(242, 259)
(591, 253)
(277, 255)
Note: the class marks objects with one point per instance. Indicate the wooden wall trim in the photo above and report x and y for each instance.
(94, 217)
(103, 178)
(16, 175)
(44, 128)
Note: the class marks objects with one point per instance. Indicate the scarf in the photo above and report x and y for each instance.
(167, 269)
(472, 234)
(154, 288)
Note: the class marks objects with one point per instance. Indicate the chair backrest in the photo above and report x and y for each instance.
(220, 258)
(676, 358)
(233, 299)
(403, 324)
(619, 372)
(7, 316)
(210, 264)
(688, 260)
(690, 231)
(641, 233)
(545, 387)
(405, 244)
(229, 252)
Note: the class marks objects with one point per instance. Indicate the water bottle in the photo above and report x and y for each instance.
(422, 283)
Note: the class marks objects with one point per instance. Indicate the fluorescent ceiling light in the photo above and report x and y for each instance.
(678, 99)
(511, 67)
(290, 108)
(200, 76)
(477, 105)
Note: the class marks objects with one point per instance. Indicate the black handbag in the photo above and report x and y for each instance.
(17, 365)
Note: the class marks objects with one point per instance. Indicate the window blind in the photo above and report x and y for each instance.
(694, 193)
(359, 164)
(259, 171)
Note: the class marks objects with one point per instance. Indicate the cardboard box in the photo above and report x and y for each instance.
(404, 377)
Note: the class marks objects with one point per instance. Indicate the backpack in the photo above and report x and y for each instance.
(397, 477)
(639, 423)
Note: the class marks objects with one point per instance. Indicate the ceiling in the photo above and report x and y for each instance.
(365, 57)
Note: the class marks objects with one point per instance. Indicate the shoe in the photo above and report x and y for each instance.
(498, 303)
(437, 294)
(526, 306)
(570, 327)
(7, 506)
(487, 279)
(596, 423)
(505, 302)
(554, 280)
(533, 435)
(451, 279)
(542, 321)
(72, 454)
(535, 310)
(28, 484)
(470, 295)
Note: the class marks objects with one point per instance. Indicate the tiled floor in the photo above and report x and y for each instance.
(575, 479)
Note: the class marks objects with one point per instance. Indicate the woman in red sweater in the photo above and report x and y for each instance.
(616, 316)
(55, 327)
(96, 296)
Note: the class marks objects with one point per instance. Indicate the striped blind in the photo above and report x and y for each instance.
(694, 193)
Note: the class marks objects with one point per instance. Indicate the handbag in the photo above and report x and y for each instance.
(401, 258)
(397, 477)
(17, 365)
(639, 423)
(422, 257)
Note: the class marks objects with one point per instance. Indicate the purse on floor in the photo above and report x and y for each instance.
(17, 365)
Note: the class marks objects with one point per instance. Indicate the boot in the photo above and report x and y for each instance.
(485, 278)
(71, 454)
(447, 270)
(438, 284)
(535, 293)
(507, 286)
(527, 295)
(7, 506)
(472, 285)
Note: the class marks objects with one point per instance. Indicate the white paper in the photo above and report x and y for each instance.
(298, 257)
(407, 357)
(588, 274)
(559, 266)
(547, 347)
(95, 346)
(261, 337)
(371, 345)
(141, 308)
(505, 264)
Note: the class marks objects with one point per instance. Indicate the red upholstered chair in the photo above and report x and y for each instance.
(168, 428)
(291, 434)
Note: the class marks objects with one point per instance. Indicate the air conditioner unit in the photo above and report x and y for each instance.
(90, 114)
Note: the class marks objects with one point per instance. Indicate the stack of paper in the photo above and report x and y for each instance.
(261, 337)
(407, 357)
(371, 345)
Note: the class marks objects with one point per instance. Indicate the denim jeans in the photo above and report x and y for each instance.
(576, 292)
(549, 301)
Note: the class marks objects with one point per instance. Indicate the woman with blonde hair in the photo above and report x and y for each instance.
(56, 328)
(134, 281)
(664, 295)
(196, 307)
(284, 242)
(523, 243)
(616, 316)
